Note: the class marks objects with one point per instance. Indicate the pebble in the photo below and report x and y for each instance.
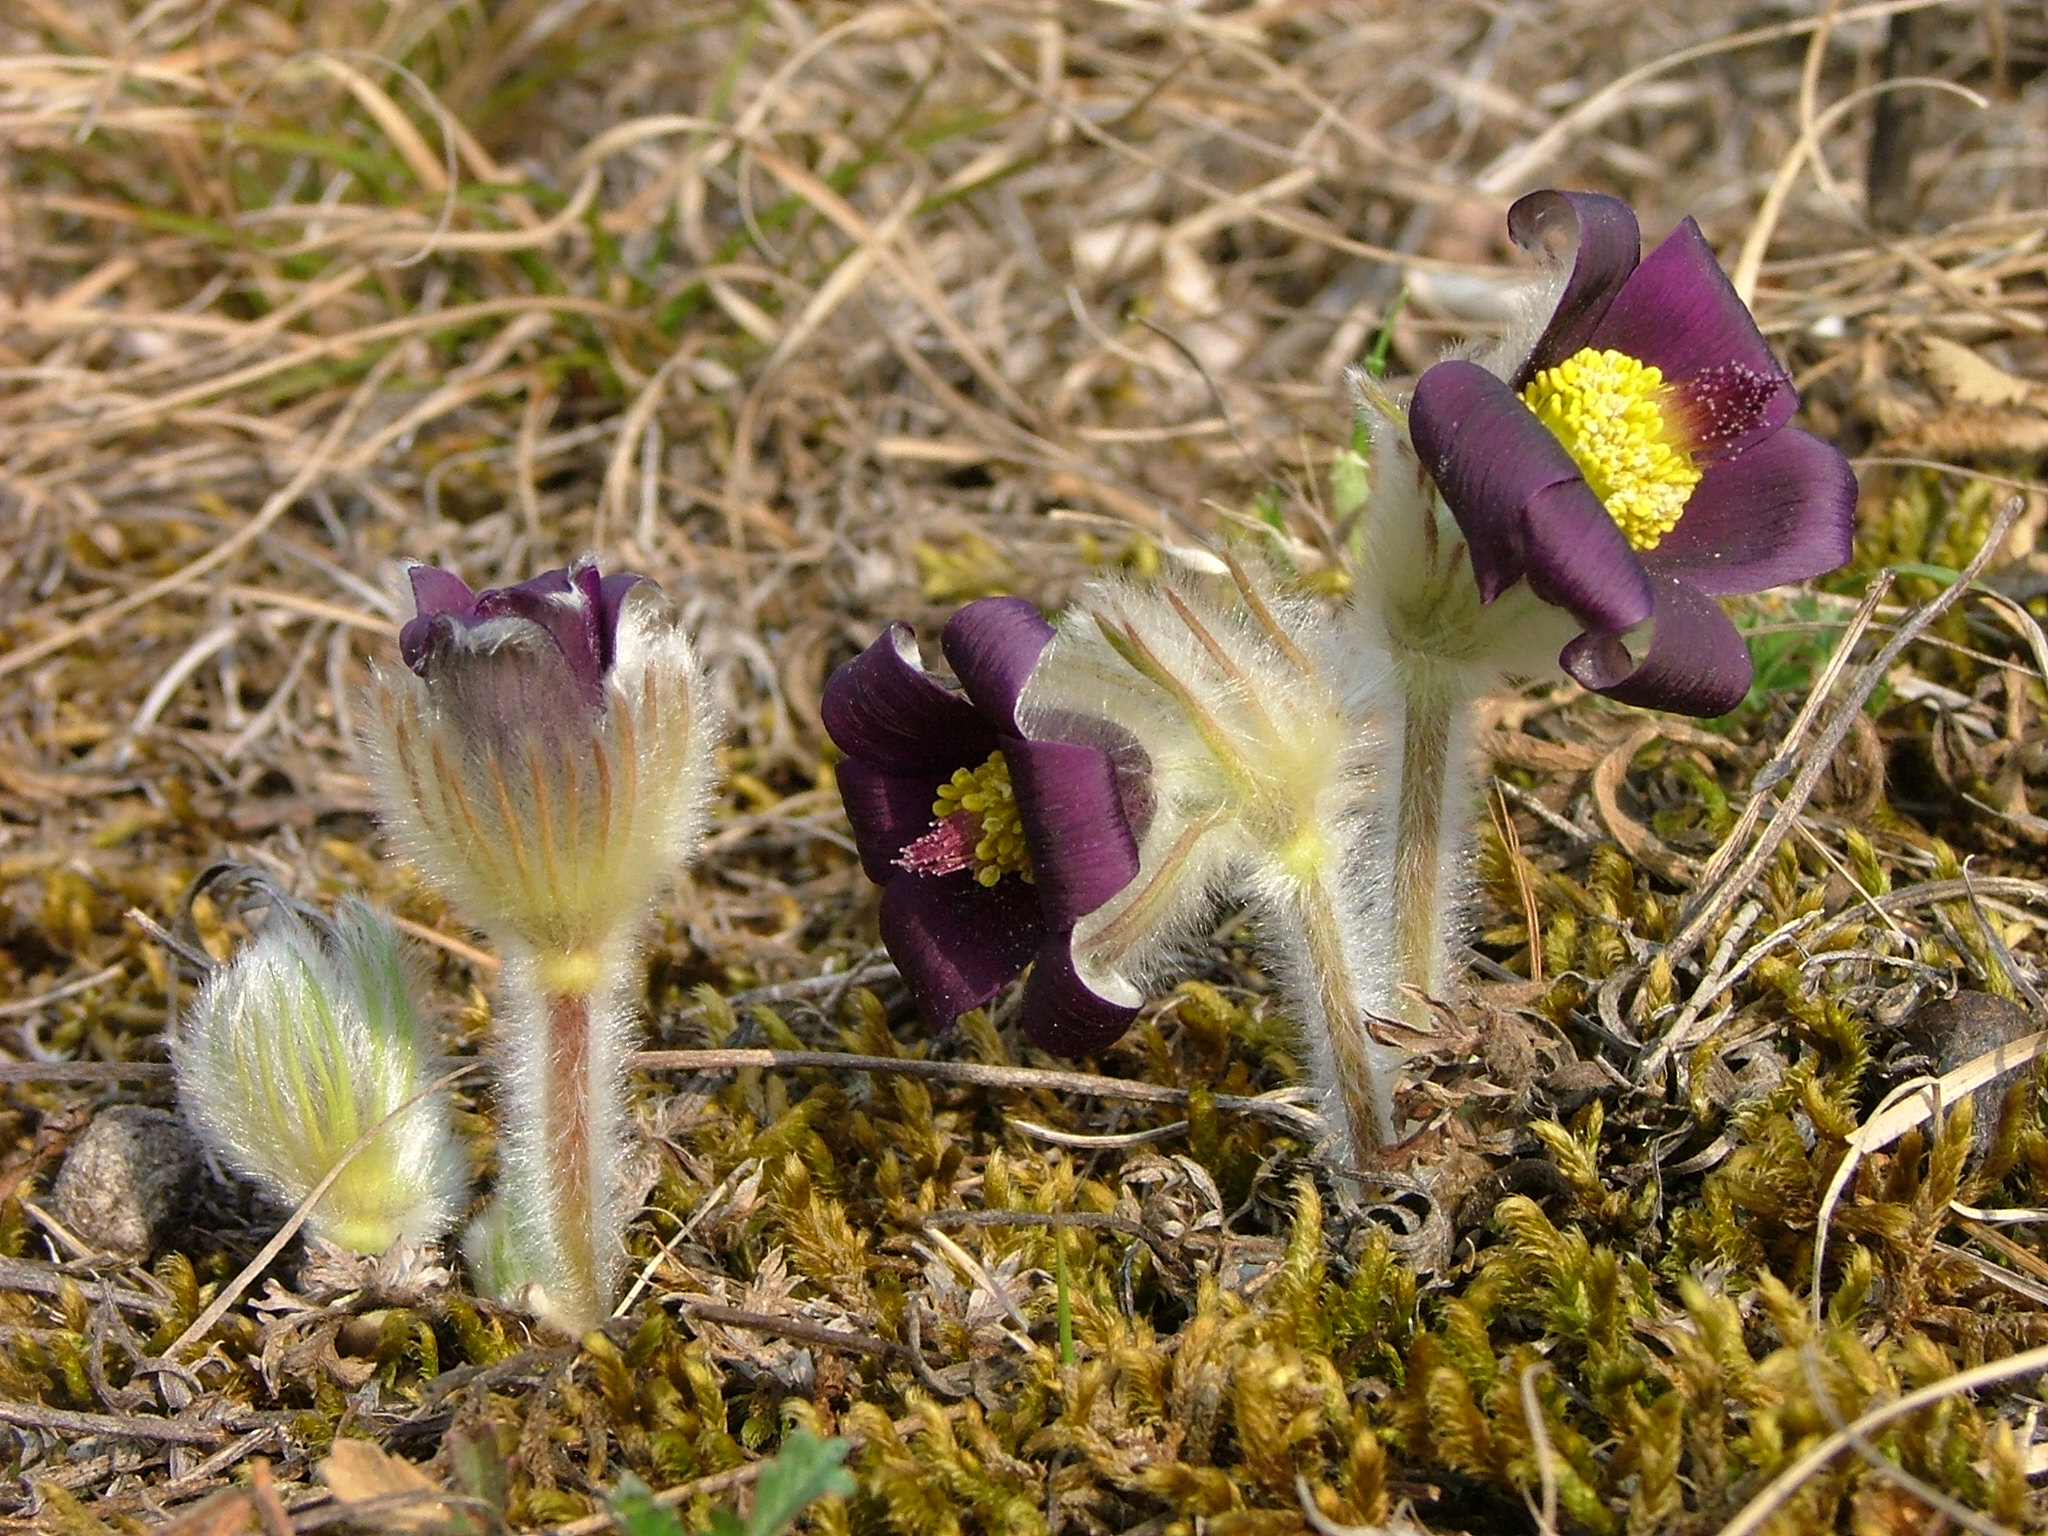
(126, 1179)
(1950, 1031)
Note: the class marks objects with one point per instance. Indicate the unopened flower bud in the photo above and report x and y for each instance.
(546, 757)
(295, 1050)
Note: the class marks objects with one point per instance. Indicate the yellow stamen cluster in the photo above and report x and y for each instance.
(1608, 409)
(986, 793)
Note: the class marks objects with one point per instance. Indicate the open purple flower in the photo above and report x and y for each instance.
(988, 845)
(1636, 464)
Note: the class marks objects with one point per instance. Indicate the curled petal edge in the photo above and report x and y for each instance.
(1523, 506)
(1082, 849)
(1599, 236)
(884, 707)
(1066, 1013)
(1694, 664)
(992, 645)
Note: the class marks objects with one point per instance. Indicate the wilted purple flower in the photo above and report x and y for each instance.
(1636, 464)
(988, 846)
(546, 755)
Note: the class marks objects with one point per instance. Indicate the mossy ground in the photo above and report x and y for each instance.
(829, 315)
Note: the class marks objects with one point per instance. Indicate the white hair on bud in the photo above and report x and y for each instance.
(300, 1045)
(1257, 722)
(558, 840)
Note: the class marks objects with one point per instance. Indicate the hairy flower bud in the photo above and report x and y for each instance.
(305, 1041)
(547, 755)
(546, 758)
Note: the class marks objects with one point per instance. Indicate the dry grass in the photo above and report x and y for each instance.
(827, 315)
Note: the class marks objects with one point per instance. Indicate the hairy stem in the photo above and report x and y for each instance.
(1430, 831)
(1356, 1090)
(567, 1024)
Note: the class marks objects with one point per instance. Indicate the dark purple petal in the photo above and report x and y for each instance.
(1578, 560)
(992, 645)
(1599, 236)
(437, 591)
(1082, 848)
(957, 942)
(1680, 313)
(1782, 511)
(568, 606)
(889, 811)
(1523, 506)
(611, 602)
(434, 591)
(1728, 408)
(1488, 454)
(503, 684)
(1696, 663)
(1063, 1014)
(885, 708)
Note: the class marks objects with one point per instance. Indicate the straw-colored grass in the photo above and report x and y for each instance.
(826, 315)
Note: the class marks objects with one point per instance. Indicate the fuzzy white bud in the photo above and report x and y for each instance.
(298, 1047)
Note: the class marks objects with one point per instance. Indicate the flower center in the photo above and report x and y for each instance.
(1608, 409)
(978, 827)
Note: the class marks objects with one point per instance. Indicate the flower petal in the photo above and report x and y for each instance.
(1696, 663)
(1578, 560)
(1520, 500)
(992, 645)
(502, 682)
(1782, 511)
(889, 811)
(1082, 848)
(1067, 1015)
(884, 707)
(434, 591)
(1679, 312)
(611, 602)
(1605, 244)
(566, 605)
(957, 942)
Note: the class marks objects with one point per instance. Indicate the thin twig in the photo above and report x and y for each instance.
(1265, 1106)
(1723, 892)
(790, 1328)
(123, 1426)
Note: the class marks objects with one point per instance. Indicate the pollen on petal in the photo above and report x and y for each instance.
(1614, 416)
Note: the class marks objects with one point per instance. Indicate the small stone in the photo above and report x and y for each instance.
(1950, 1031)
(126, 1179)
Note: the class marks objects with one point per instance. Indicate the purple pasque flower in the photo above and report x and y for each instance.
(545, 755)
(988, 845)
(1636, 464)
(513, 659)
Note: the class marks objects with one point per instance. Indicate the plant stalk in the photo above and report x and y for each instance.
(1358, 1092)
(568, 1022)
(1430, 831)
